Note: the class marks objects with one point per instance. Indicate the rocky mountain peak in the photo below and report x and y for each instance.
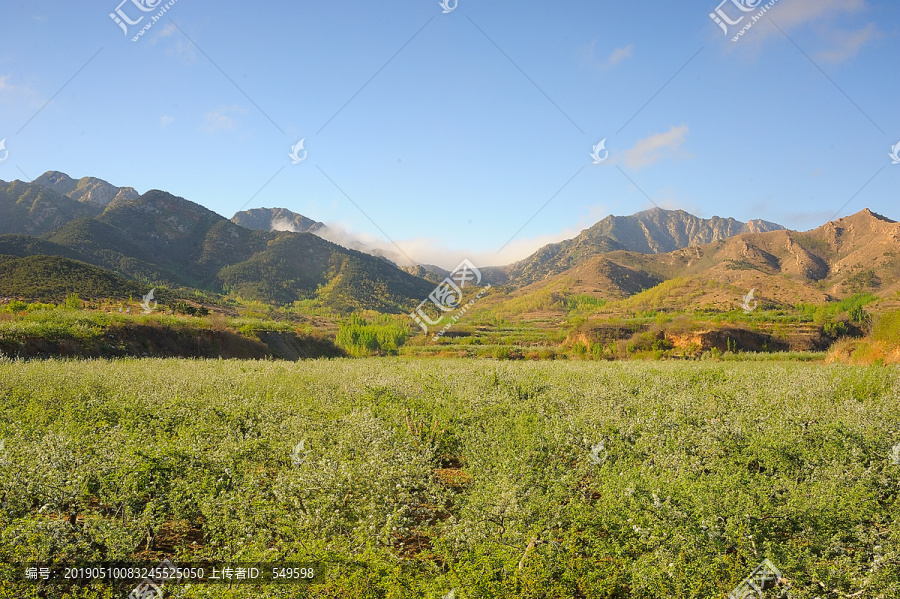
(87, 190)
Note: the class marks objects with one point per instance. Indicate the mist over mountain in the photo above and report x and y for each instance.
(651, 231)
(275, 219)
(282, 219)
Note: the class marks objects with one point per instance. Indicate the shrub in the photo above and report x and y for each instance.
(360, 338)
(73, 302)
(836, 329)
(15, 307)
(39, 306)
(186, 308)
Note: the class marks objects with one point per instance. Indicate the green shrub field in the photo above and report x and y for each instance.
(455, 478)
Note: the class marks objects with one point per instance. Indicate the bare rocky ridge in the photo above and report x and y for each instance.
(87, 190)
(655, 231)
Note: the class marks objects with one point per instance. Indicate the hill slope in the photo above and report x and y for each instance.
(54, 277)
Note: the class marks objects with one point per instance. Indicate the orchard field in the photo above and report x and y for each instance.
(456, 478)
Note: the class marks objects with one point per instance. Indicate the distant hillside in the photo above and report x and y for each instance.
(87, 190)
(429, 272)
(653, 231)
(22, 246)
(275, 219)
(33, 210)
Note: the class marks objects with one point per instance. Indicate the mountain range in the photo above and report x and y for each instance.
(278, 256)
(855, 254)
(160, 239)
(654, 231)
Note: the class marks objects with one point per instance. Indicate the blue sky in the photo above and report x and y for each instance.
(452, 133)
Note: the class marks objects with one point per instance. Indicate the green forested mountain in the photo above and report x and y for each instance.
(159, 238)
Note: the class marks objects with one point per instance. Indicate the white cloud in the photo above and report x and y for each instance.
(165, 121)
(19, 96)
(588, 55)
(179, 47)
(792, 13)
(619, 54)
(519, 249)
(846, 44)
(426, 250)
(284, 224)
(169, 29)
(222, 119)
(183, 50)
(828, 18)
(650, 150)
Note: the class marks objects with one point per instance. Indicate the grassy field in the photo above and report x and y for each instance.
(486, 478)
